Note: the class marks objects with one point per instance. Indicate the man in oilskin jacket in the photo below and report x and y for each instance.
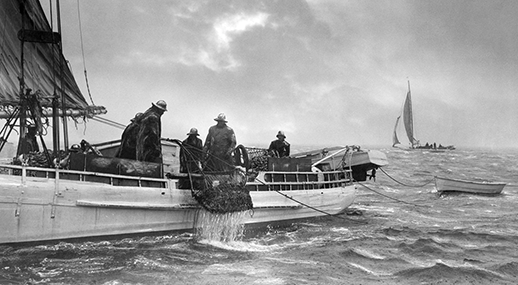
(190, 158)
(191, 153)
(149, 147)
(219, 144)
(279, 147)
(128, 147)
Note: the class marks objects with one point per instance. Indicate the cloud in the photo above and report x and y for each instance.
(326, 71)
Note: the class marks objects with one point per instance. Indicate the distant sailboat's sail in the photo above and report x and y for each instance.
(408, 121)
(408, 118)
(41, 62)
(395, 140)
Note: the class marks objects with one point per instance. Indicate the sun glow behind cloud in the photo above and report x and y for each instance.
(308, 67)
(217, 54)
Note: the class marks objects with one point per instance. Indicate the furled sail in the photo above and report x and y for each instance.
(42, 71)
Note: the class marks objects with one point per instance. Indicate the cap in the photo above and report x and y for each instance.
(281, 133)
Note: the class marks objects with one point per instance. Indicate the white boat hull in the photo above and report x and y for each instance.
(457, 185)
(35, 209)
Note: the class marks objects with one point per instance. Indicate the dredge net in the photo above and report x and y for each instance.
(220, 191)
(224, 192)
(258, 158)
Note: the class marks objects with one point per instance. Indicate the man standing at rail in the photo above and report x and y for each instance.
(219, 144)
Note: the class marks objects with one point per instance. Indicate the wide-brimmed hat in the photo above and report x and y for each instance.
(193, 131)
(160, 104)
(281, 133)
(221, 118)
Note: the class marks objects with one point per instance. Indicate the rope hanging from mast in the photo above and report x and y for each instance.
(83, 53)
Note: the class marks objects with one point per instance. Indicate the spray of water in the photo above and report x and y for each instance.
(227, 227)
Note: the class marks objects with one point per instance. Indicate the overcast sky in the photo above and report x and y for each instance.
(325, 72)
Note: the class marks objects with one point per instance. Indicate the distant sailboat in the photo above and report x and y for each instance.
(408, 121)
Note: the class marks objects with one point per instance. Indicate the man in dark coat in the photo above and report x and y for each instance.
(191, 153)
(32, 143)
(190, 159)
(128, 147)
(219, 144)
(149, 147)
(279, 147)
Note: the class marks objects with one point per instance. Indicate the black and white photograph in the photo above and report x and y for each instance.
(258, 142)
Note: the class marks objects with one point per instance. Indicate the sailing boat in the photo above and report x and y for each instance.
(94, 194)
(408, 121)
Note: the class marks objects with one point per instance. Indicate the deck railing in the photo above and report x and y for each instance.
(64, 174)
(286, 181)
(269, 181)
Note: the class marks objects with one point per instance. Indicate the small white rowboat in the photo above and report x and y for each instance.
(456, 185)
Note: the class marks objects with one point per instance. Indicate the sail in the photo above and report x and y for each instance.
(42, 71)
(395, 139)
(408, 118)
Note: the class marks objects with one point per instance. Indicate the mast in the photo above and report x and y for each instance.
(23, 103)
(63, 107)
(55, 101)
(36, 81)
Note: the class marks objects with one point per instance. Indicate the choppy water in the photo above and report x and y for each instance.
(427, 239)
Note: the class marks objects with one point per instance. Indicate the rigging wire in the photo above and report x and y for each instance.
(109, 122)
(83, 53)
(119, 125)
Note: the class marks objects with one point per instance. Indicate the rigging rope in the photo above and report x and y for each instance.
(404, 183)
(377, 192)
(308, 206)
(83, 52)
(391, 198)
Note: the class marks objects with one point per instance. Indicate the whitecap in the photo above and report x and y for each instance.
(369, 270)
(369, 254)
(241, 246)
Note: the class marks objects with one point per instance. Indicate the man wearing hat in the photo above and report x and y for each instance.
(149, 147)
(279, 147)
(190, 156)
(191, 153)
(128, 147)
(219, 144)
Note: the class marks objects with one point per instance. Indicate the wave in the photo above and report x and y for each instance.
(242, 246)
(441, 272)
(510, 269)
